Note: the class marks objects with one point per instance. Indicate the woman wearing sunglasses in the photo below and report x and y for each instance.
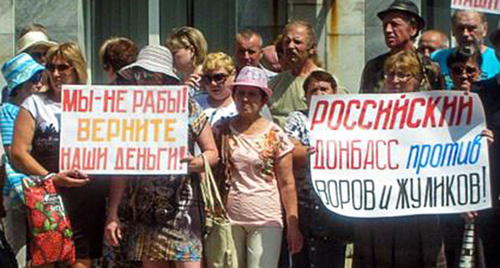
(464, 65)
(23, 75)
(216, 101)
(37, 127)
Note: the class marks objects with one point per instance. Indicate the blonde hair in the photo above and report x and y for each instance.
(186, 36)
(71, 53)
(218, 60)
(405, 61)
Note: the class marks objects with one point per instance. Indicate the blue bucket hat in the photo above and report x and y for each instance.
(19, 70)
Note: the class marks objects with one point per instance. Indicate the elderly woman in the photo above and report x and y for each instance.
(258, 156)
(464, 64)
(409, 241)
(35, 151)
(164, 211)
(217, 100)
(189, 48)
(24, 77)
(116, 53)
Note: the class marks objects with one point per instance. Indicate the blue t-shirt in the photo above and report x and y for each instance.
(8, 115)
(489, 68)
(13, 184)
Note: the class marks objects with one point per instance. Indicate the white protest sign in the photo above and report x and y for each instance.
(384, 155)
(486, 6)
(124, 129)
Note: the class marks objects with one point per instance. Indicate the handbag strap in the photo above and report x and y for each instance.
(212, 197)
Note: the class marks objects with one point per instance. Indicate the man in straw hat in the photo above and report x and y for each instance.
(401, 25)
(469, 27)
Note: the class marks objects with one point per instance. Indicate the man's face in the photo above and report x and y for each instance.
(297, 45)
(429, 42)
(468, 28)
(397, 30)
(247, 52)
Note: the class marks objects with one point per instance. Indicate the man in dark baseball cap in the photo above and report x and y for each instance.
(401, 25)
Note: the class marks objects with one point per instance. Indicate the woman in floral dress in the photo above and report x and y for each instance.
(259, 160)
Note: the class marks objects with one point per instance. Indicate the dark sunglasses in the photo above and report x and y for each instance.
(469, 70)
(60, 67)
(35, 79)
(217, 78)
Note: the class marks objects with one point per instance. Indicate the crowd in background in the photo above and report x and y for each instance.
(248, 118)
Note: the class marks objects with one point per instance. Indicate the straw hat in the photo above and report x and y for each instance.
(156, 59)
(20, 69)
(33, 38)
(255, 77)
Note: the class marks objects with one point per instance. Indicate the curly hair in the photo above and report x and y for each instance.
(218, 60)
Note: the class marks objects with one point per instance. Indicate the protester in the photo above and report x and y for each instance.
(487, 222)
(34, 41)
(115, 53)
(270, 59)
(469, 27)
(258, 155)
(248, 51)
(432, 40)
(464, 65)
(299, 46)
(189, 48)
(409, 241)
(23, 75)
(324, 231)
(401, 25)
(218, 75)
(164, 211)
(35, 151)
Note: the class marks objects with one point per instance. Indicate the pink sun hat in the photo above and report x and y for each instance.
(255, 77)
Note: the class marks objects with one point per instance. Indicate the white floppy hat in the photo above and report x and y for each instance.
(156, 59)
(33, 38)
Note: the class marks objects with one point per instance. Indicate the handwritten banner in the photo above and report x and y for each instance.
(124, 129)
(486, 6)
(389, 155)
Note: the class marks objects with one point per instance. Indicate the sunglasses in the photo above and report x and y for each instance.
(217, 78)
(35, 79)
(60, 67)
(469, 70)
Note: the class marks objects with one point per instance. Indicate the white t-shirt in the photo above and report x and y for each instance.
(47, 116)
(215, 114)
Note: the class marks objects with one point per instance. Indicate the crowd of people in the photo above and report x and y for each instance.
(248, 118)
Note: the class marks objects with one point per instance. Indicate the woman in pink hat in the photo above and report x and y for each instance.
(256, 156)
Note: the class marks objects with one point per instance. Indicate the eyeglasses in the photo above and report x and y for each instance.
(217, 78)
(403, 77)
(35, 79)
(469, 70)
(60, 67)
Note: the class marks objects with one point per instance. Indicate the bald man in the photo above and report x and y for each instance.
(432, 40)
